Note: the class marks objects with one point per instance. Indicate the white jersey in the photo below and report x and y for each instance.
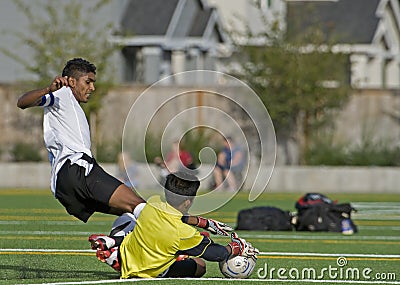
(66, 131)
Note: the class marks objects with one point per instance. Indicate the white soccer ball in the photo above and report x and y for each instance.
(238, 267)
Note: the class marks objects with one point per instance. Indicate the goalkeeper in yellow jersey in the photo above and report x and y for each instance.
(177, 249)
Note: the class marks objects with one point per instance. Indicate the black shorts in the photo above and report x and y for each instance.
(83, 195)
(183, 268)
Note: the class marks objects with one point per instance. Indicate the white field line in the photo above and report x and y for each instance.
(394, 209)
(40, 233)
(377, 211)
(315, 254)
(244, 235)
(52, 223)
(378, 228)
(372, 205)
(368, 217)
(329, 254)
(44, 250)
(319, 237)
(190, 280)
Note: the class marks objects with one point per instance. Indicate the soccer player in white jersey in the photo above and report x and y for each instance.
(77, 181)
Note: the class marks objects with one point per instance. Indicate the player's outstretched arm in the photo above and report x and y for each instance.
(212, 251)
(213, 226)
(34, 97)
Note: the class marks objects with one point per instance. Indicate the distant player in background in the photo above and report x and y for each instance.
(177, 159)
(143, 254)
(230, 164)
(127, 170)
(77, 181)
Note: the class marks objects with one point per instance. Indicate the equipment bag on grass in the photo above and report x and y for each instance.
(264, 219)
(316, 212)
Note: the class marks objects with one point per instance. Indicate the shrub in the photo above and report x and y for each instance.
(374, 154)
(108, 151)
(195, 140)
(367, 153)
(152, 147)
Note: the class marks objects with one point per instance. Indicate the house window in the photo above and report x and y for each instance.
(131, 64)
(265, 5)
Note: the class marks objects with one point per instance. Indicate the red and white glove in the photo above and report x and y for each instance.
(214, 227)
(239, 246)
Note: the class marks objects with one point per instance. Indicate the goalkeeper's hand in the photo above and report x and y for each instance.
(239, 246)
(214, 227)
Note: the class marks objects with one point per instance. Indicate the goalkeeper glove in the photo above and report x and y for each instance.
(239, 246)
(213, 226)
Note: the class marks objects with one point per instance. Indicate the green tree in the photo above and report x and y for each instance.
(301, 82)
(60, 30)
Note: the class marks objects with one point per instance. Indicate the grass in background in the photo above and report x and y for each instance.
(33, 219)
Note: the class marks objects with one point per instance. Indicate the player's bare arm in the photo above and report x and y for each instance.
(33, 98)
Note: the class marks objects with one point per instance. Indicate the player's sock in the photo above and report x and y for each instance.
(118, 240)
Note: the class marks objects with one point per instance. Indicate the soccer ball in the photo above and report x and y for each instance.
(238, 266)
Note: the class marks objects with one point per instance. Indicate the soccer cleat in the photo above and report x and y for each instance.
(110, 257)
(101, 242)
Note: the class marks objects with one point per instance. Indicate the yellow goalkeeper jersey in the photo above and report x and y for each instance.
(151, 247)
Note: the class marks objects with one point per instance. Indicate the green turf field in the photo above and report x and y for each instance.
(41, 244)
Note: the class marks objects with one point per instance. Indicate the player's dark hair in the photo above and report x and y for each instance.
(78, 66)
(179, 187)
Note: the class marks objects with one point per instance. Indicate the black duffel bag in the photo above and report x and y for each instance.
(316, 212)
(264, 218)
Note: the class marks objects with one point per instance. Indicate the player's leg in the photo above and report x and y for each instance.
(230, 178)
(107, 247)
(83, 195)
(218, 176)
(123, 200)
(111, 196)
(71, 191)
(220, 169)
(121, 227)
(190, 267)
(200, 267)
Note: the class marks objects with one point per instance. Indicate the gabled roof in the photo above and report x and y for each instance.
(171, 24)
(147, 17)
(345, 21)
(200, 22)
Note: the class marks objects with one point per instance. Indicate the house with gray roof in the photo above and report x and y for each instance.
(160, 38)
(367, 30)
(156, 38)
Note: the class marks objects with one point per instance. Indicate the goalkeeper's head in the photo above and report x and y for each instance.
(180, 190)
